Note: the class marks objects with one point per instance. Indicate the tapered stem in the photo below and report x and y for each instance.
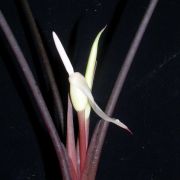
(70, 140)
(82, 139)
(38, 99)
(46, 67)
(97, 141)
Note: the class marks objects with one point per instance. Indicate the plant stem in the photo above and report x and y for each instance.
(46, 67)
(87, 131)
(38, 99)
(94, 151)
(82, 139)
(70, 140)
(78, 156)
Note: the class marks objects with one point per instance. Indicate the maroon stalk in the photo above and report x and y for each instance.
(34, 89)
(82, 139)
(94, 151)
(41, 52)
(70, 140)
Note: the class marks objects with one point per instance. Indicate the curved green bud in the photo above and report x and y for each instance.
(91, 67)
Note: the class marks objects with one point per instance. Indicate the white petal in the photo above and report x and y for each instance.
(63, 54)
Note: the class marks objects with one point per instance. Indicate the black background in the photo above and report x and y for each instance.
(149, 103)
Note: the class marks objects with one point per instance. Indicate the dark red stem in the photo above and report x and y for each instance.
(38, 99)
(94, 151)
(82, 139)
(70, 140)
(41, 52)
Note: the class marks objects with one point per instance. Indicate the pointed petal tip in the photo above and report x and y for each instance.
(131, 133)
(127, 129)
(55, 37)
(102, 30)
(62, 54)
(122, 125)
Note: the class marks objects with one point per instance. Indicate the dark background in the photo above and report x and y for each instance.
(149, 103)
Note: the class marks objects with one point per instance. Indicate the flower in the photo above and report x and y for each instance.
(80, 87)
